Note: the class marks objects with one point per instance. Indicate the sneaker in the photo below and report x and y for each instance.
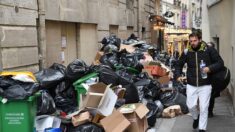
(195, 123)
(210, 114)
(202, 130)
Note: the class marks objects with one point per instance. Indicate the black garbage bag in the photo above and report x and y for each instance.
(180, 87)
(111, 40)
(131, 60)
(106, 75)
(131, 95)
(49, 78)
(60, 88)
(14, 89)
(66, 101)
(169, 98)
(141, 76)
(109, 59)
(160, 107)
(45, 104)
(86, 127)
(58, 67)
(65, 88)
(15, 92)
(76, 70)
(110, 48)
(140, 85)
(30, 88)
(6, 82)
(155, 111)
(119, 103)
(125, 77)
(153, 90)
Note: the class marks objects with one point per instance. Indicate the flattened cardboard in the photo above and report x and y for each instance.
(116, 122)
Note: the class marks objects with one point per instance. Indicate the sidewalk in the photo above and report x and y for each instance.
(223, 121)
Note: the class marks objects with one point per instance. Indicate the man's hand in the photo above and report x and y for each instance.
(180, 79)
(206, 69)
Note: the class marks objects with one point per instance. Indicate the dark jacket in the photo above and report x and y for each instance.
(193, 58)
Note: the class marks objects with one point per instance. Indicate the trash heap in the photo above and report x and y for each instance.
(126, 88)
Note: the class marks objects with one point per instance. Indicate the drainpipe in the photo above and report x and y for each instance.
(139, 18)
(41, 34)
(1, 67)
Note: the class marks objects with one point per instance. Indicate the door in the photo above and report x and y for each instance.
(61, 45)
(88, 42)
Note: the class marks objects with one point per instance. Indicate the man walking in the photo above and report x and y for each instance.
(198, 79)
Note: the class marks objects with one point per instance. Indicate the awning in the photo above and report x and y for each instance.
(158, 18)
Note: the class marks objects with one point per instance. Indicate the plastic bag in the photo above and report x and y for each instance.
(173, 97)
(109, 59)
(131, 95)
(13, 89)
(15, 92)
(111, 40)
(65, 104)
(87, 127)
(131, 60)
(45, 104)
(108, 76)
(125, 77)
(58, 67)
(180, 87)
(155, 111)
(76, 70)
(49, 78)
(152, 91)
(140, 87)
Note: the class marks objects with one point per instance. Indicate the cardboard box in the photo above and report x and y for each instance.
(129, 48)
(97, 58)
(100, 97)
(136, 114)
(116, 122)
(81, 118)
(172, 111)
(45, 121)
(98, 55)
(164, 79)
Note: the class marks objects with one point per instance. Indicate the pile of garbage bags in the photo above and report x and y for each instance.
(79, 95)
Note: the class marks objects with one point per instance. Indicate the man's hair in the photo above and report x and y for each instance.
(196, 33)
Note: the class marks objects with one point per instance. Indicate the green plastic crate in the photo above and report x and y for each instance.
(18, 115)
(79, 88)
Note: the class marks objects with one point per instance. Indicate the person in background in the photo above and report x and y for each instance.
(132, 37)
(212, 99)
(217, 87)
(198, 87)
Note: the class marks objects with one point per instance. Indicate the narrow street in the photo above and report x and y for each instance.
(223, 120)
(117, 65)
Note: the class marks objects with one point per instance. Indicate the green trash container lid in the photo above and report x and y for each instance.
(130, 69)
(85, 78)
